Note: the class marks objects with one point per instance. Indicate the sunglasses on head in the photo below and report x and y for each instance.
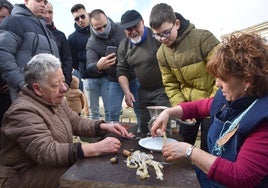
(78, 17)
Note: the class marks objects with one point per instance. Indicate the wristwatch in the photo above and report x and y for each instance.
(189, 152)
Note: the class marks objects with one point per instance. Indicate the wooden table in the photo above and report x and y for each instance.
(99, 172)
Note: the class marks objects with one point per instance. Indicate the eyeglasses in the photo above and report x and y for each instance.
(135, 27)
(166, 34)
(78, 17)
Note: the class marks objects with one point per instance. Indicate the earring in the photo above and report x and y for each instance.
(245, 89)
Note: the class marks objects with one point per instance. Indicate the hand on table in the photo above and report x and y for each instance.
(116, 128)
(105, 146)
(109, 145)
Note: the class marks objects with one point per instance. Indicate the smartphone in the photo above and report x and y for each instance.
(110, 49)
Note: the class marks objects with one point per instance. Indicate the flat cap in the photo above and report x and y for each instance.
(130, 18)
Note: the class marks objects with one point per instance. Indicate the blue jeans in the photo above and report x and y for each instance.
(116, 96)
(93, 89)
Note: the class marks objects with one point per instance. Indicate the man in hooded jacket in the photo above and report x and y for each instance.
(23, 34)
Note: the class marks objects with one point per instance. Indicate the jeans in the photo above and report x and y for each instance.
(93, 89)
(116, 96)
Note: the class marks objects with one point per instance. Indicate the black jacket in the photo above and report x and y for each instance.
(77, 42)
(64, 52)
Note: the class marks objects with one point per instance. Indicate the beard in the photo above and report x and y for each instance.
(135, 40)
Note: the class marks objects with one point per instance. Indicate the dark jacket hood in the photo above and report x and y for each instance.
(183, 23)
(21, 9)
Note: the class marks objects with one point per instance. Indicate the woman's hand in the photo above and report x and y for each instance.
(175, 150)
(159, 126)
(105, 146)
(116, 128)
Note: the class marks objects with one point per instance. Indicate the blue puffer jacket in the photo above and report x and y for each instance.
(22, 35)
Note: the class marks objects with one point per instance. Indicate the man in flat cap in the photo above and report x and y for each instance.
(138, 51)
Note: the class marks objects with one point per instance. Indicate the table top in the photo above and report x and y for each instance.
(100, 172)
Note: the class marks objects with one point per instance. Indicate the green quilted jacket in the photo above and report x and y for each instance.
(183, 66)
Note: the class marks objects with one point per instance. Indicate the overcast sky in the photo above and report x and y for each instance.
(219, 16)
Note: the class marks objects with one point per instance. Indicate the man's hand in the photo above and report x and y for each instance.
(106, 62)
(129, 99)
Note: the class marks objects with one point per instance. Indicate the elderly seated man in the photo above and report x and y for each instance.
(38, 128)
